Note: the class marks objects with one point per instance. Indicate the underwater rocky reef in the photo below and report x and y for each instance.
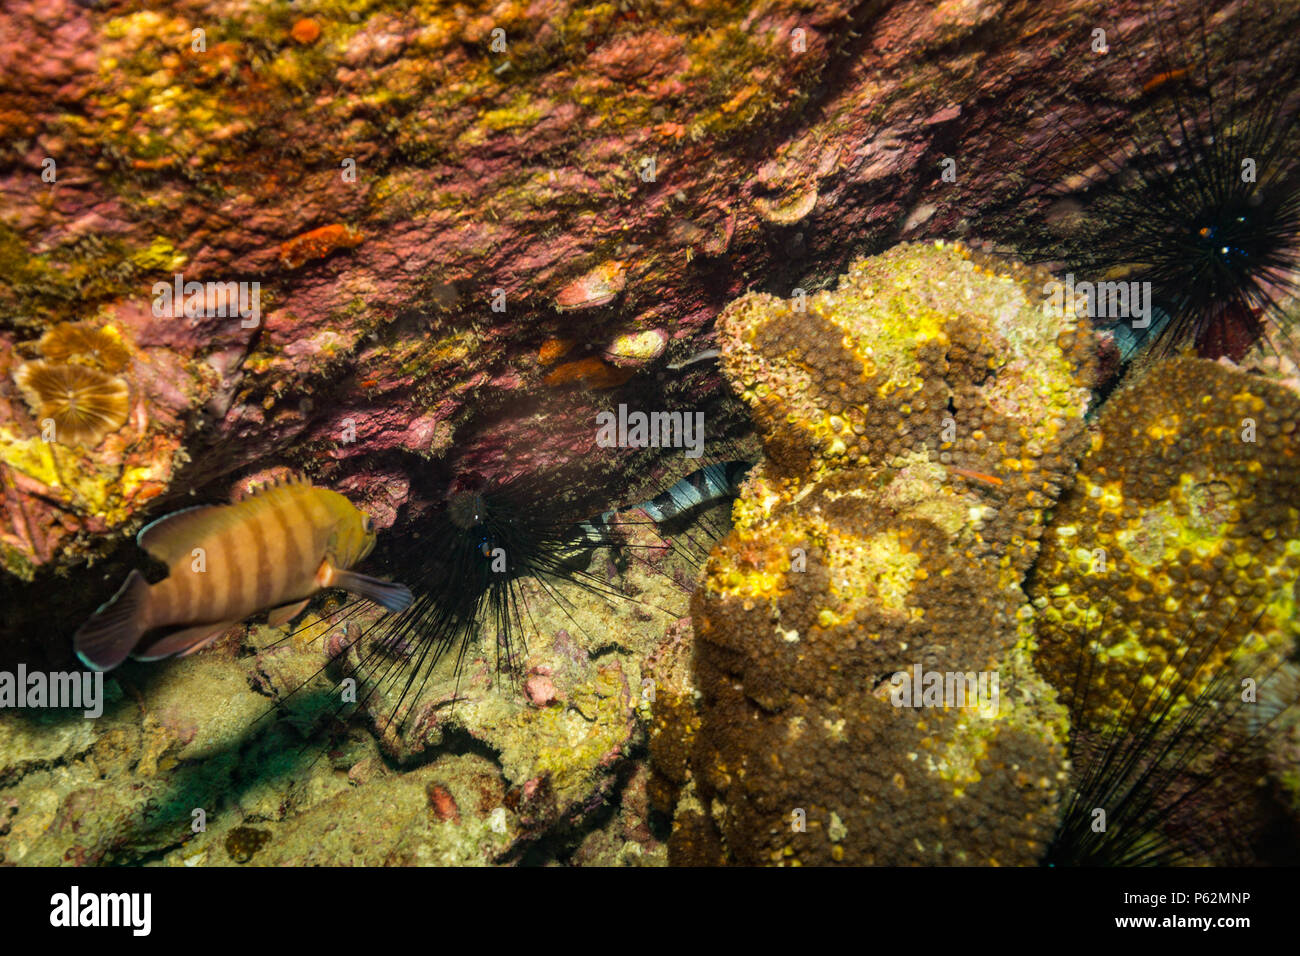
(431, 256)
(921, 426)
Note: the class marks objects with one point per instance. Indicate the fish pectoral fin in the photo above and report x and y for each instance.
(395, 597)
(326, 575)
(182, 643)
(285, 613)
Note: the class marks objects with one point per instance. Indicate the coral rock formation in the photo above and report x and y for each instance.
(917, 421)
(1179, 545)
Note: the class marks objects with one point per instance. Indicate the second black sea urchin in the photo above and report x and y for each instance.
(1171, 168)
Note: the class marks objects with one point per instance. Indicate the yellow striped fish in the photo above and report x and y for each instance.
(272, 550)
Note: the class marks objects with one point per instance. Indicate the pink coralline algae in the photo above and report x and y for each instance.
(540, 688)
(470, 229)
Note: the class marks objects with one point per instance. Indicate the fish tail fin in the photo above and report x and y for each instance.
(395, 597)
(108, 637)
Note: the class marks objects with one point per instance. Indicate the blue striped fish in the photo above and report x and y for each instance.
(705, 486)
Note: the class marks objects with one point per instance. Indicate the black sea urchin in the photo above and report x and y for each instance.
(1160, 784)
(495, 554)
(477, 551)
(1174, 163)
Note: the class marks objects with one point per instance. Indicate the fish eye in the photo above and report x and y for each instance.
(367, 523)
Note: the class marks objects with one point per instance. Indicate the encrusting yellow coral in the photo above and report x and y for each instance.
(917, 421)
(1179, 545)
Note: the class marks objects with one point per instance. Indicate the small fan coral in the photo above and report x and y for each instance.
(84, 344)
(84, 403)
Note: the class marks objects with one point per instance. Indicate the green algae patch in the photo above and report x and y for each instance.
(160, 256)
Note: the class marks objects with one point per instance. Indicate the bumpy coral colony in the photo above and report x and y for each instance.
(1177, 551)
(455, 229)
(917, 422)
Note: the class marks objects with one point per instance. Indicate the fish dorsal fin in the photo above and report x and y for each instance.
(243, 494)
(174, 536)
